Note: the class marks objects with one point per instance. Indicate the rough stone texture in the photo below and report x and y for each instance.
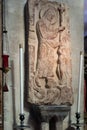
(45, 126)
(51, 117)
(50, 70)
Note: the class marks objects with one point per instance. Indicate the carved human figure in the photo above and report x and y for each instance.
(50, 77)
(48, 33)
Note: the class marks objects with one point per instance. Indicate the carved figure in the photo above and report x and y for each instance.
(48, 29)
(52, 75)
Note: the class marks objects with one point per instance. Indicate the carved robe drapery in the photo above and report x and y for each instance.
(50, 70)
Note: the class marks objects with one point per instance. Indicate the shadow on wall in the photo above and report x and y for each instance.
(85, 29)
(70, 128)
(85, 44)
(26, 57)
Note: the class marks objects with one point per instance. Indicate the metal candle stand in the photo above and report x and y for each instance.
(22, 126)
(77, 124)
(22, 121)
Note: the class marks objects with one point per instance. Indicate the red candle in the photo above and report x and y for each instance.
(5, 60)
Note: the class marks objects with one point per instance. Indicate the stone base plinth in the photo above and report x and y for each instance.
(51, 116)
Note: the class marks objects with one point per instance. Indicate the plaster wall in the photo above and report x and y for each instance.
(16, 36)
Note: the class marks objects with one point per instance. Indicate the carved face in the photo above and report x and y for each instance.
(51, 15)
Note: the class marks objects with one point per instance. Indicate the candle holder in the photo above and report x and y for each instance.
(5, 70)
(21, 126)
(22, 120)
(77, 124)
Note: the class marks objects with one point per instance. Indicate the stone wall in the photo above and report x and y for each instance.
(16, 35)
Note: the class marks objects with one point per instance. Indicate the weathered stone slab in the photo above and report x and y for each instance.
(50, 69)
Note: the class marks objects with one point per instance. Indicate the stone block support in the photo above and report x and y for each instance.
(45, 125)
(51, 116)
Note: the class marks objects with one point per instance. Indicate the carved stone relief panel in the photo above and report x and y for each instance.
(50, 69)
